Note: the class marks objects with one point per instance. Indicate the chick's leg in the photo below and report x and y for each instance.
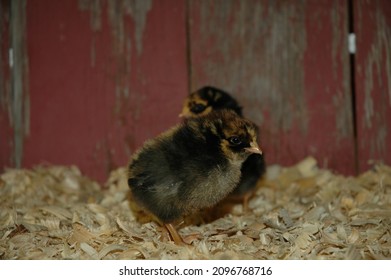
(174, 234)
(246, 200)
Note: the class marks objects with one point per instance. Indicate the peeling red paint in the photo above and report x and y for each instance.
(373, 81)
(249, 47)
(328, 93)
(84, 113)
(104, 76)
(287, 64)
(6, 132)
(14, 88)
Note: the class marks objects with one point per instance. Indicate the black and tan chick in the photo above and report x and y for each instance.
(209, 99)
(192, 166)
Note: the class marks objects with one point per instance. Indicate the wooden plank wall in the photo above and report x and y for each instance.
(372, 22)
(6, 130)
(288, 64)
(101, 77)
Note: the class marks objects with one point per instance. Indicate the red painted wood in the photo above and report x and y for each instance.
(95, 96)
(288, 64)
(372, 21)
(6, 131)
(105, 77)
(326, 68)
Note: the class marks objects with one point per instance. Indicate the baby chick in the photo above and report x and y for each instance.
(209, 99)
(192, 166)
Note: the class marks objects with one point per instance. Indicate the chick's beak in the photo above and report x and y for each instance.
(254, 148)
(184, 114)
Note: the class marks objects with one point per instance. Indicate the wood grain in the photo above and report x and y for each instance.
(288, 64)
(106, 76)
(97, 78)
(373, 81)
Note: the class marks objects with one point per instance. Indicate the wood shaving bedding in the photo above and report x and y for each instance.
(298, 212)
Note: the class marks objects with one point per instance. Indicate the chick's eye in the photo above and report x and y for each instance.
(235, 140)
(197, 108)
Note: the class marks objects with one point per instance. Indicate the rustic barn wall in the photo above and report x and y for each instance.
(92, 79)
(104, 76)
(372, 22)
(6, 143)
(14, 86)
(288, 64)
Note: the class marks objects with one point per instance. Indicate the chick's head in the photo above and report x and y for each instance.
(206, 100)
(239, 139)
(234, 136)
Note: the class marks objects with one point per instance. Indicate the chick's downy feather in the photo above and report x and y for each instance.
(191, 166)
(209, 99)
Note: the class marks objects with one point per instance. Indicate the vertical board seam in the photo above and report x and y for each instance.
(352, 76)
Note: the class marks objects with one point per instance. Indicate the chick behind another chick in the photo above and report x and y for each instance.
(192, 166)
(208, 99)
